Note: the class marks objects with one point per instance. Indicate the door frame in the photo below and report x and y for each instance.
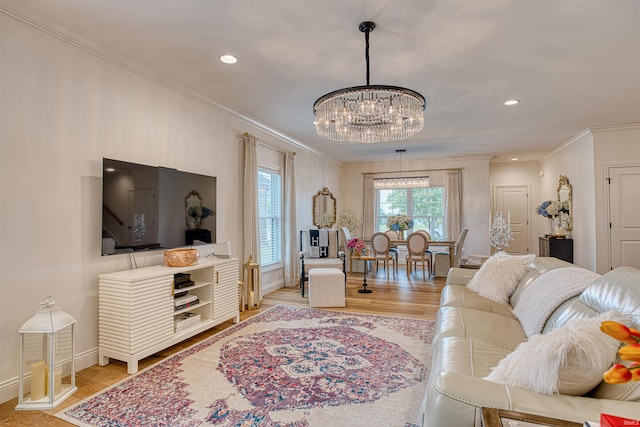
(607, 200)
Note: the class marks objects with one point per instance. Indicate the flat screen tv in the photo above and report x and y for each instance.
(150, 207)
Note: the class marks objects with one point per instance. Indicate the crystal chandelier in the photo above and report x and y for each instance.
(401, 181)
(500, 231)
(371, 113)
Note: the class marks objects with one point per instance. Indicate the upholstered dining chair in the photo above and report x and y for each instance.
(394, 248)
(443, 259)
(380, 245)
(426, 234)
(417, 253)
(346, 235)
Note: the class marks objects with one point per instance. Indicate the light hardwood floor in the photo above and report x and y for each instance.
(399, 296)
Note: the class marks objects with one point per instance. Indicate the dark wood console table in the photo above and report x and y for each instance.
(197, 234)
(555, 247)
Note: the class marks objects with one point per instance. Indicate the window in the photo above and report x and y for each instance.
(424, 205)
(270, 216)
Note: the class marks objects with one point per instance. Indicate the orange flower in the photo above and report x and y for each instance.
(618, 374)
(620, 332)
(630, 352)
(635, 371)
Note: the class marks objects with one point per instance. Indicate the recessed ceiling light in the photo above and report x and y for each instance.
(228, 59)
(512, 102)
(514, 159)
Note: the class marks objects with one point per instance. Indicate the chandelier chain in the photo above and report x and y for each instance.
(366, 53)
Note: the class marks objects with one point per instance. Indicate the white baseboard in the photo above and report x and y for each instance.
(272, 287)
(9, 388)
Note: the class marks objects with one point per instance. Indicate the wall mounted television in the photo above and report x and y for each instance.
(145, 207)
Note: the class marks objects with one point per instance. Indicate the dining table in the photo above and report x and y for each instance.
(451, 244)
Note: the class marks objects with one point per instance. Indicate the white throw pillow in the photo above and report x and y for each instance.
(498, 277)
(568, 360)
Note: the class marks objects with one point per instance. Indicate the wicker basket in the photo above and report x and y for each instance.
(181, 257)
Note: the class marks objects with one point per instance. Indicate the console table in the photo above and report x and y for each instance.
(197, 234)
(554, 247)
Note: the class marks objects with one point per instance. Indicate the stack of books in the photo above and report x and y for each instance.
(182, 280)
(185, 320)
(185, 301)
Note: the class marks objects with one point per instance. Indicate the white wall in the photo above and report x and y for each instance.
(584, 160)
(575, 160)
(613, 146)
(62, 110)
(475, 191)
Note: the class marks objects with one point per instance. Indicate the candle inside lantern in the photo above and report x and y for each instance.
(38, 380)
(57, 382)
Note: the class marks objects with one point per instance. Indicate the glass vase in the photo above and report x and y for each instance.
(558, 228)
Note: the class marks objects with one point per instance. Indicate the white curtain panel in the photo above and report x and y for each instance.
(368, 213)
(453, 194)
(291, 253)
(251, 198)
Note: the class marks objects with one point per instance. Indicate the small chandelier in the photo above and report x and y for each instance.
(371, 113)
(500, 231)
(401, 181)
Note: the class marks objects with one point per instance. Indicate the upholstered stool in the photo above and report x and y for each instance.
(326, 287)
(441, 264)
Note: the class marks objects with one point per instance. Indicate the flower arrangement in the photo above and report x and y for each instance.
(399, 222)
(348, 219)
(357, 244)
(195, 215)
(619, 373)
(552, 208)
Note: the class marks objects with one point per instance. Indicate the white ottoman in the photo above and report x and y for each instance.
(326, 287)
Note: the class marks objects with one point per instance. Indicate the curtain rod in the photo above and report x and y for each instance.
(266, 144)
(412, 171)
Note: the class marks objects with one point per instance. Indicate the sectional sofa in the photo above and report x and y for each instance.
(546, 325)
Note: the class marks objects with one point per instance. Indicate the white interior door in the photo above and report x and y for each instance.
(624, 216)
(513, 201)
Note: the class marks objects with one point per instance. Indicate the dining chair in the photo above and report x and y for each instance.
(442, 259)
(345, 236)
(426, 234)
(380, 244)
(417, 253)
(393, 235)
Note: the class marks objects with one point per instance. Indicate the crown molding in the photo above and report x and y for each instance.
(20, 12)
(569, 142)
(626, 126)
(590, 131)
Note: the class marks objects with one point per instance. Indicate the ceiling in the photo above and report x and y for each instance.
(573, 64)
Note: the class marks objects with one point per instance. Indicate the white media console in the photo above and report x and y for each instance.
(136, 309)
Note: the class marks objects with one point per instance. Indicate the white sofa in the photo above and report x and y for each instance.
(474, 333)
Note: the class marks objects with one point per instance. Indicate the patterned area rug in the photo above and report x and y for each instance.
(288, 366)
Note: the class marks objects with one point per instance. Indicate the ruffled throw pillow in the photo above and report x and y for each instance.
(498, 277)
(568, 360)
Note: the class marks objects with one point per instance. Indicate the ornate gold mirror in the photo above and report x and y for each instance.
(324, 209)
(566, 201)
